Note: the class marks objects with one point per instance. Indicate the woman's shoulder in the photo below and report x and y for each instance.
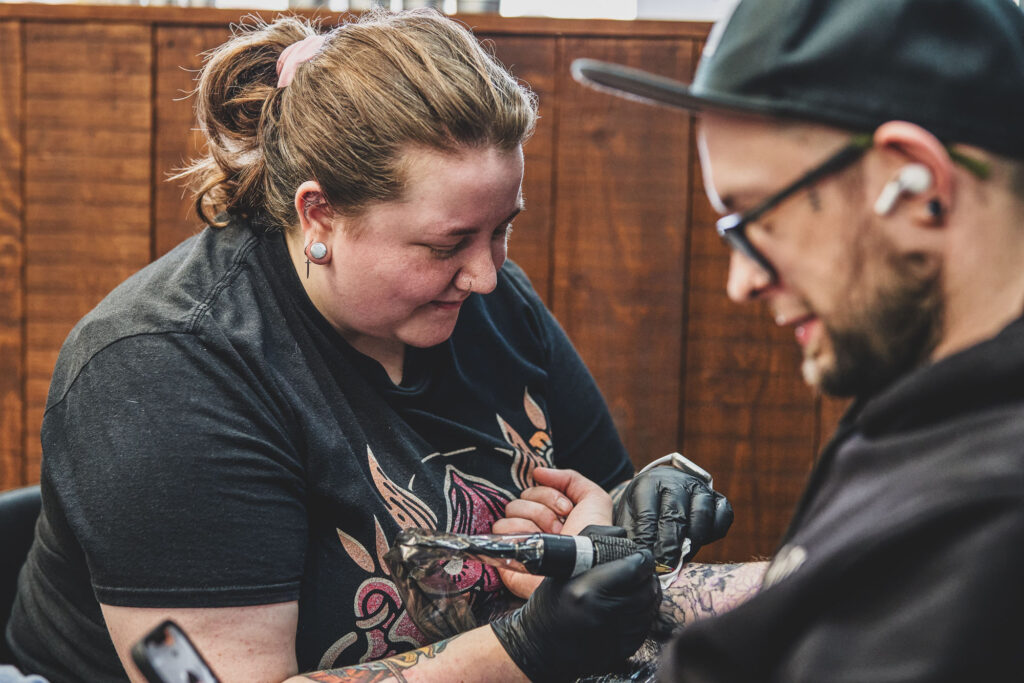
(175, 294)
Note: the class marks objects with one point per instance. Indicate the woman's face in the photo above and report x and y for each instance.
(400, 271)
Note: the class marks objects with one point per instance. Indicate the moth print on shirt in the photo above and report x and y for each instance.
(384, 627)
(528, 455)
(472, 505)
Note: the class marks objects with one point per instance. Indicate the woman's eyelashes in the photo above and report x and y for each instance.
(447, 252)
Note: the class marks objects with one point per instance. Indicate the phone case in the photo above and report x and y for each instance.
(166, 655)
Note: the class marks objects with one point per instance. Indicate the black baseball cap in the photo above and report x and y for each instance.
(954, 67)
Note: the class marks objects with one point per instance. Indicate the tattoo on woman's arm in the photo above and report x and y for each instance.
(390, 669)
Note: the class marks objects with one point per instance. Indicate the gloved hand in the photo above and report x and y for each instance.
(664, 505)
(587, 624)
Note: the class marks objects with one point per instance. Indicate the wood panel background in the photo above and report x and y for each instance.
(618, 237)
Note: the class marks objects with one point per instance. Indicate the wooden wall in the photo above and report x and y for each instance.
(618, 236)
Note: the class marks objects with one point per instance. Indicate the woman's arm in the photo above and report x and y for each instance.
(257, 644)
(568, 628)
(472, 656)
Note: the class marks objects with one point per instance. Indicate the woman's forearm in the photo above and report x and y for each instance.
(474, 656)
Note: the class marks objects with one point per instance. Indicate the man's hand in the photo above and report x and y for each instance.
(586, 624)
(562, 502)
(664, 505)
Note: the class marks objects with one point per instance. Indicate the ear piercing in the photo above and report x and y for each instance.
(315, 251)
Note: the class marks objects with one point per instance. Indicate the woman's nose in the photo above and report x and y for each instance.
(479, 273)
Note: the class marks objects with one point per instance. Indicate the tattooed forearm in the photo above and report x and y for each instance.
(390, 669)
(704, 590)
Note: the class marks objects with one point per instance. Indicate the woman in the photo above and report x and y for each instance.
(234, 435)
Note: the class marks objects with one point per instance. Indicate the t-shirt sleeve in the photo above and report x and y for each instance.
(173, 470)
(582, 428)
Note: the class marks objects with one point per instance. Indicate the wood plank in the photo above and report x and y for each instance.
(748, 417)
(87, 181)
(179, 53)
(621, 213)
(483, 23)
(12, 258)
(532, 60)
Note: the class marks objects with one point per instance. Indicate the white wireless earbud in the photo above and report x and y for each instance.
(913, 179)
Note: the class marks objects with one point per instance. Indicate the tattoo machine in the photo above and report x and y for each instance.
(432, 569)
(540, 554)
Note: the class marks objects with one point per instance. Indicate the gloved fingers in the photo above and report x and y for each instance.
(702, 517)
(723, 517)
(638, 510)
(538, 514)
(620, 577)
(672, 525)
(601, 530)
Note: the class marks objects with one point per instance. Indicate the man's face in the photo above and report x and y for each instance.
(862, 312)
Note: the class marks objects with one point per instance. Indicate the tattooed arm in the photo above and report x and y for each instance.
(704, 590)
(472, 656)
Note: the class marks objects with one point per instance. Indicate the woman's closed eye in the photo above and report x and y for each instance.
(444, 252)
(448, 251)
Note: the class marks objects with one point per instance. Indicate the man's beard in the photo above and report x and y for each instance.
(893, 333)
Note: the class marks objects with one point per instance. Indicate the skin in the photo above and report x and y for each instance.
(839, 265)
(396, 275)
(838, 262)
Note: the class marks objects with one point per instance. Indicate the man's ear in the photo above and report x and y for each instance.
(910, 147)
(316, 219)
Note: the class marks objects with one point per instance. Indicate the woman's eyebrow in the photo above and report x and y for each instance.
(459, 232)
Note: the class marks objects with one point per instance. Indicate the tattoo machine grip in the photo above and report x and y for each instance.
(566, 556)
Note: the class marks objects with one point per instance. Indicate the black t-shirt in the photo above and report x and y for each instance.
(903, 561)
(210, 441)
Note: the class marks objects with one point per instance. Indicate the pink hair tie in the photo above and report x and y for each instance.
(295, 54)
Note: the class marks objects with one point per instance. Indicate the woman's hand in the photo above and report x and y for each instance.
(562, 502)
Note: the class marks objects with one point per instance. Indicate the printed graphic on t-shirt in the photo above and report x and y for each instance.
(471, 506)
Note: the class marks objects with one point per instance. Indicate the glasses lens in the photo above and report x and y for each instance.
(732, 229)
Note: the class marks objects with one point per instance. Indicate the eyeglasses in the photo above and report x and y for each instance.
(733, 228)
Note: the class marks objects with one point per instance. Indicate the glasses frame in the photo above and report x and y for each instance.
(733, 227)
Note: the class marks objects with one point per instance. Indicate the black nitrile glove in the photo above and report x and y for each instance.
(664, 505)
(587, 624)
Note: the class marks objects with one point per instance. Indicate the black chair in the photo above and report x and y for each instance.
(19, 510)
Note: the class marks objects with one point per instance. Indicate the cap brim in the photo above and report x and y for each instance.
(633, 83)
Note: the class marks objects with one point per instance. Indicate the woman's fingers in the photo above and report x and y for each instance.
(539, 515)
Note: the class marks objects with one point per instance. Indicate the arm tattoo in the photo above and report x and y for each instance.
(390, 669)
(704, 590)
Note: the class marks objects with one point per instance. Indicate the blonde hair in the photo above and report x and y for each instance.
(381, 84)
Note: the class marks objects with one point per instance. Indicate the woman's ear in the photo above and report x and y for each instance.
(315, 215)
(916, 150)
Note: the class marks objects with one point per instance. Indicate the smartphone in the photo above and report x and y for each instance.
(166, 655)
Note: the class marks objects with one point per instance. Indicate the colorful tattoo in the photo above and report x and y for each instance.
(388, 669)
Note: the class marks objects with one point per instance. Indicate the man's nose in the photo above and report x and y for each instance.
(747, 280)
